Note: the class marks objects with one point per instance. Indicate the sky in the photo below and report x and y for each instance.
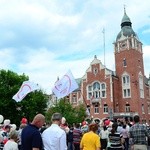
(46, 38)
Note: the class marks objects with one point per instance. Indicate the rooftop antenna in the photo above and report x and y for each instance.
(124, 9)
(104, 43)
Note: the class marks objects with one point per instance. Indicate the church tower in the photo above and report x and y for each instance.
(130, 70)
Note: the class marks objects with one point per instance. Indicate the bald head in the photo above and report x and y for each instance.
(38, 120)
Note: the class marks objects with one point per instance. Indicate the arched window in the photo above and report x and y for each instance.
(96, 90)
(103, 90)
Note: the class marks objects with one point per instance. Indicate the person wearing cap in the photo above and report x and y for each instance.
(90, 140)
(54, 138)
(138, 132)
(31, 137)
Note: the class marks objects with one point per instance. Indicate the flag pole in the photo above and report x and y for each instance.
(104, 43)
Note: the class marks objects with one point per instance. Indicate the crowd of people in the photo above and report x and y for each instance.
(118, 134)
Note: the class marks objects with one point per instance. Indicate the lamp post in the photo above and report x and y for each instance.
(110, 113)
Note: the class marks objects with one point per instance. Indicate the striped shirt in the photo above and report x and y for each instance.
(77, 134)
(115, 140)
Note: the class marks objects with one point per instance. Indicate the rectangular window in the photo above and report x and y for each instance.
(124, 62)
(127, 108)
(103, 90)
(96, 109)
(124, 80)
(89, 95)
(127, 78)
(126, 86)
(74, 99)
(103, 94)
(143, 109)
(105, 109)
(126, 93)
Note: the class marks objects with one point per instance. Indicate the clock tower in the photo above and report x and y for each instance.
(130, 70)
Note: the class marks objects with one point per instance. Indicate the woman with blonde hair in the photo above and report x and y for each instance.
(90, 140)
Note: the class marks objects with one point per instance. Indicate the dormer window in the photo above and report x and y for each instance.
(95, 71)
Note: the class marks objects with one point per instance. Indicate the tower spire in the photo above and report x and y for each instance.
(124, 9)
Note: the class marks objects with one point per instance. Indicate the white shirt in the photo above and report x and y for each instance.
(119, 129)
(54, 138)
(11, 145)
(104, 134)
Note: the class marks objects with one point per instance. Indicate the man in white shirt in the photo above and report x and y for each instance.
(54, 138)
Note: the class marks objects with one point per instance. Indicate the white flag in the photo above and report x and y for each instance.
(65, 85)
(25, 88)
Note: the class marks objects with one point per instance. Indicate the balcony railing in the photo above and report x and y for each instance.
(96, 100)
(125, 114)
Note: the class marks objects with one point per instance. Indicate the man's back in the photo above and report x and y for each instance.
(31, 137)
(54, 138)
(138, 133)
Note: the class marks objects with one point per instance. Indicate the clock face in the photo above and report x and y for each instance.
(123, 44)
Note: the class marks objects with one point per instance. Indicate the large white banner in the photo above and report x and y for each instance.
(65, 85)
(25, 88)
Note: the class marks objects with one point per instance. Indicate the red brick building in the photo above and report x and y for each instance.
(123, 92)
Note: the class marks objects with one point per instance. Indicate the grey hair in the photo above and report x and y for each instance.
(13, 135)
(56, 117)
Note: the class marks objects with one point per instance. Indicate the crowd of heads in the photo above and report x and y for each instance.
(39, 121)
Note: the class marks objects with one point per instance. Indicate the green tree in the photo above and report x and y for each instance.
(72, 114)
(33, 103)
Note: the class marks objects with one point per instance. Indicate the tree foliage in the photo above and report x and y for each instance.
(72, 114)
(32, 104)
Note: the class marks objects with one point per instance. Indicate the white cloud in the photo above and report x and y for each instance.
(146, 57)
(146, 31)
(6, 59)
(43, 39)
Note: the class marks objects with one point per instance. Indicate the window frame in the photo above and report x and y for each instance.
(126, 89)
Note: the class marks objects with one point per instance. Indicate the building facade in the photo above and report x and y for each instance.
(119, 93)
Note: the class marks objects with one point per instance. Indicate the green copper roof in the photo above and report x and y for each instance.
(126, 28)
(125, 18)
